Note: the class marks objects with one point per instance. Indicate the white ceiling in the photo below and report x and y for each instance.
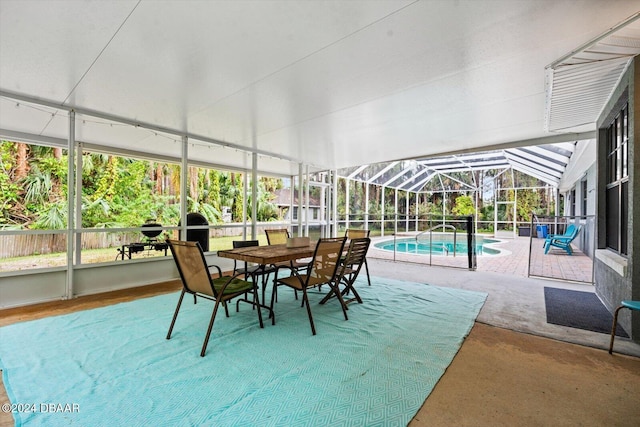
(330, 84)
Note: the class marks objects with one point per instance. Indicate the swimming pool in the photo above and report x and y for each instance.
(438, 246)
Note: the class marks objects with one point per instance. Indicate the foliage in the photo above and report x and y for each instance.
(116, 191)
(464, 206)
(9, 189)
(122, 192)
(52, 217)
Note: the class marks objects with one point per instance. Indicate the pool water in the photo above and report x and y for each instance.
(437, 247)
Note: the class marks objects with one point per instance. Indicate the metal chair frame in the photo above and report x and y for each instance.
(253, 271)
(322, 270)
(192, 266)
(355, 233)
(349, 271)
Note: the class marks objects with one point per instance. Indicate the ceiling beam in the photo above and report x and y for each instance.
(146, 125)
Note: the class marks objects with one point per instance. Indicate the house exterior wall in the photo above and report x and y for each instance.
(616, 277)
(582, 169)
(312, 213)
(585, 241)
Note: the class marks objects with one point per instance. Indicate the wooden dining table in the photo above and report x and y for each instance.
(267, 255)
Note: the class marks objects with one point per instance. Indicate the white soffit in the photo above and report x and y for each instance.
(580, 83)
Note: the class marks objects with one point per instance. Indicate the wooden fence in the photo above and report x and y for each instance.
(40, 244)
(20, 245)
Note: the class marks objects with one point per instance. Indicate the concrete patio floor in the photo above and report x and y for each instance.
(514, 301)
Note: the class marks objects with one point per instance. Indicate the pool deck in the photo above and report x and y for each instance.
(512, 260)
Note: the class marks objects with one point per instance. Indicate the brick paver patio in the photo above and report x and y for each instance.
(513, 259)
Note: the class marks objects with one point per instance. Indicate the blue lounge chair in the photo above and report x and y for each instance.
(562, 241)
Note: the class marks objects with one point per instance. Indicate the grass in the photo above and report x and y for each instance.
(94, 256)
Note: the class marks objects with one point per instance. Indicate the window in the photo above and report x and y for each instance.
(616, 219)
(584, 197)
(572, 200)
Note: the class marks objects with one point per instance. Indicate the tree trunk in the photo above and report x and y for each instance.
(193, 184)
(159, 178)
(22, 164)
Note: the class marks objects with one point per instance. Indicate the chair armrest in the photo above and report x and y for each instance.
(218, 268)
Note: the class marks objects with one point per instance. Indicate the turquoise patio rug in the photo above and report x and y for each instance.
(112, 366)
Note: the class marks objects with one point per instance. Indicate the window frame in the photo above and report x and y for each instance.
(572, 201)
(617, 179)
(585, 201)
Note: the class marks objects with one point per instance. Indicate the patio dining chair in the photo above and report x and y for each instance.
(355, 233)
(562, 241)
(279, 237)
(348, 272)
(254, 271)
(197, 281)
(322, 270)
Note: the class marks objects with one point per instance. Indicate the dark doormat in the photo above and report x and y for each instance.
(577, 309)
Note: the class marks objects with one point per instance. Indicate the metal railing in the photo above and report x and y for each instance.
(441, 248)
(444, 227)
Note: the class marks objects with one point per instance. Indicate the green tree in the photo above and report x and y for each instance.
(463, 206)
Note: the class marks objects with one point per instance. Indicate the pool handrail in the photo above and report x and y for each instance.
(443, 226)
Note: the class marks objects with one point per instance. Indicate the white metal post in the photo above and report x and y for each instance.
(184, 187)
(444, 206)
(395, 211)
(307, 201)
(245, 186)
(334, 191)
(347, 203)
(366, 205)
(406, 220)
(515, 202)
(417, 211)
(382, 213)
(327, 232)
(292, 199)
(70, 203)
(254, 194)
(496, 190)
(476, 212)
(300, 193)
(515, 210)
(323, 213)
(557, 203)
(78, 210)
